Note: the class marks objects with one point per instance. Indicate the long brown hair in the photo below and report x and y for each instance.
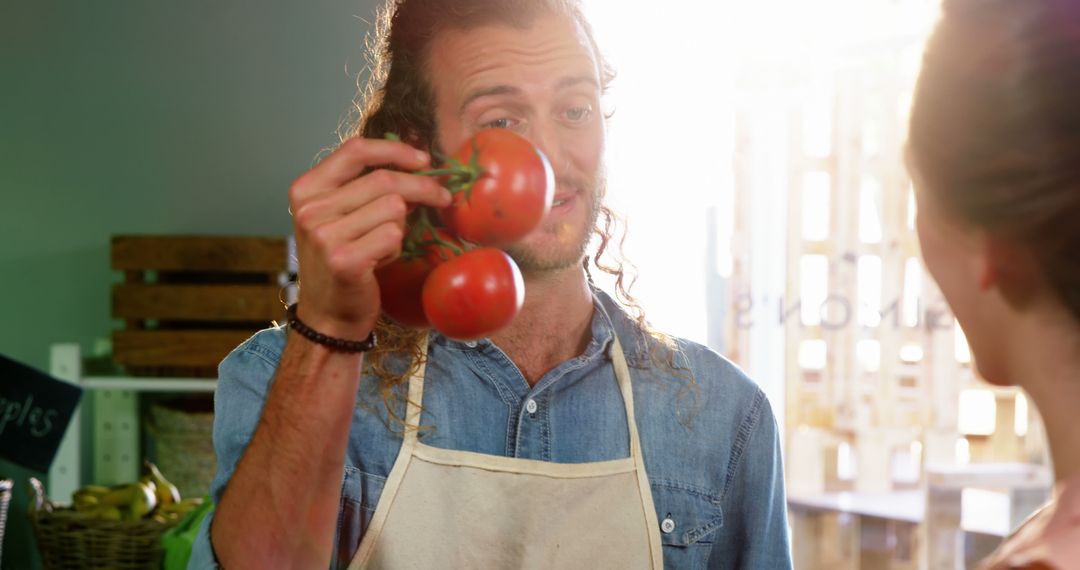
(397, 98)
(995, 126)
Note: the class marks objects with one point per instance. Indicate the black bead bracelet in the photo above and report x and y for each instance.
(335, 344)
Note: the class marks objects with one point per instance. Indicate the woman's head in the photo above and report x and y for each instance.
(994, 149)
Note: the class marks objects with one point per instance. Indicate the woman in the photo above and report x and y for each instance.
(994, 151)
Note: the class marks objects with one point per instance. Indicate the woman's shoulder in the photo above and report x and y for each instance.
(1049, 538)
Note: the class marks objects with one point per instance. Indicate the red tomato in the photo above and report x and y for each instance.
(401, 284)
(439, 253)
(511, 196)
(474, 295)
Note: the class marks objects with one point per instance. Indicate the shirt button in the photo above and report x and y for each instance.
(531, 406)
(470, 343)
(667, 526)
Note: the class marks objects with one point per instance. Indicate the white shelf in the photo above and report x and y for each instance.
(138, 384)
(115, 431)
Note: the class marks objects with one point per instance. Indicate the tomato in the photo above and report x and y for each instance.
(474, 295)
(512, 194)
(401, 284)
(440, 252)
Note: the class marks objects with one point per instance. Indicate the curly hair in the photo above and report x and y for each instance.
(397, 98)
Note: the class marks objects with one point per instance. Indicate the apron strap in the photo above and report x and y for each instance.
(622, 375)
(397, 472)
(416, 396)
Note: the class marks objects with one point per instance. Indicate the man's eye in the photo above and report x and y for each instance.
(578, 114)
(502, 123)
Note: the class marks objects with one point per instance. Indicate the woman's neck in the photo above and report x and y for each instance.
(1046, 363)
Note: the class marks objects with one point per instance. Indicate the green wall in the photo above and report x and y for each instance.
(149, 117)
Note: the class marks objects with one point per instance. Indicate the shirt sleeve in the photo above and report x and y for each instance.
(755, 506)
(244, 379)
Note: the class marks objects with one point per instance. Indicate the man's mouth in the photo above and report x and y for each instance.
(561, 200)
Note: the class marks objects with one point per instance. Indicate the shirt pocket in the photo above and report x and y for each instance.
(689, 518)
(360, 492)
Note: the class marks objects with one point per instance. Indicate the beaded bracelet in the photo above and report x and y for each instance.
(335, 344)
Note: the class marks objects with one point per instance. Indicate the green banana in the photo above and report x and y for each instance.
(84, 502)
(135, 499)
(166, 492)
(88, 496)
(91, 490)
(106, 513)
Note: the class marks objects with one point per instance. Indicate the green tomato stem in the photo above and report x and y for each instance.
(443, 172)
(424, 234)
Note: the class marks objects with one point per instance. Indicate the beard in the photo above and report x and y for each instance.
(558, 245)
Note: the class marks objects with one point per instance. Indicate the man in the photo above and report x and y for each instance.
(575, 438)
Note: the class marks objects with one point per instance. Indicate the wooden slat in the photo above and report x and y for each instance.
(200, 253)
(175, 348)
(197, 302)
(133, 277)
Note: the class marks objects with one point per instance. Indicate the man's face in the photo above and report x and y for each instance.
(543, 83)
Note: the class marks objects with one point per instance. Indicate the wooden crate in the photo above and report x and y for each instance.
(187, 301)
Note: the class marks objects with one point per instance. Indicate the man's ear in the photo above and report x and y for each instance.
(410, 137)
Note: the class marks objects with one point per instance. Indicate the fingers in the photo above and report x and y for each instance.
(350, 160)
(351, 260)
(366, 189)
(346, 223)
(416, 189)
(389, 209)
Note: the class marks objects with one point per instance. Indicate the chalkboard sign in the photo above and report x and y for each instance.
(35, 409)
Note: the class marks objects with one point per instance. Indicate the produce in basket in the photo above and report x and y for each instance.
(39, 501)
(118, 527)
(166, 492)
(153, 496)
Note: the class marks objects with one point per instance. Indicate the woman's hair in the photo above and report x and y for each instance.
(397, 98)
(995, 126)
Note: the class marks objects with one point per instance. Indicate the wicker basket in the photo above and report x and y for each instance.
(5, 500)
(68, 540)
(182, 432)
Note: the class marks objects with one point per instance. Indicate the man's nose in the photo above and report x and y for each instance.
(546, 138)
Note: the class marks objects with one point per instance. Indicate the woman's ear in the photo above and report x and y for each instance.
(1010, 268)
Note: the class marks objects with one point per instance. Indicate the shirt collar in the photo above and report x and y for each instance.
(634, 342)
(609, 319)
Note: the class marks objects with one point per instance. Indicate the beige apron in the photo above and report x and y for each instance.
(458, 509)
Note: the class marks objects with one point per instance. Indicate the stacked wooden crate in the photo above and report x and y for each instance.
(187, 301)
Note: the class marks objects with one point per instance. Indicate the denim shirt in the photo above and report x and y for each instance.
(711, 448)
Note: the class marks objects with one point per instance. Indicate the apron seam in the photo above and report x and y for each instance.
(432, 457)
